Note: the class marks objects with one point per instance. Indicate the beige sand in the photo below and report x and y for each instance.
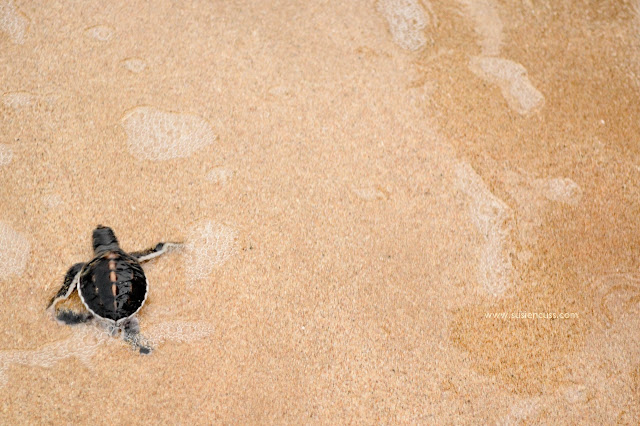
(361, 187)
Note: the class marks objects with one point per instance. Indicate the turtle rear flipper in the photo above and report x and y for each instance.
(69, 284)
(158, 250)
(131, 334)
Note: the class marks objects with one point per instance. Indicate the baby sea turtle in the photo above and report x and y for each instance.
(112, 287)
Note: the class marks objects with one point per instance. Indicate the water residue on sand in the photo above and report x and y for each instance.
(158, 135)
(370, 192)
(20, 100)
(495, 222)
(17, 100)
(135, 65)
(86, 339)
(51, 201)
(209, 245)
(512, 79)
(82, 345)
(562, 190)
(13, 22)
(100, 32)
(6, 155)
(14, 251)
(510, 76)
(220, 175)
(487, 24)
(407, 21)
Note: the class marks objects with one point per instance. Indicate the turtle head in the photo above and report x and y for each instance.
(104, 240)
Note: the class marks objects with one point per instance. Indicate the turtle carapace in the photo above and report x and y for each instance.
(112, 287)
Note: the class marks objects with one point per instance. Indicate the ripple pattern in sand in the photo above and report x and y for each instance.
(158, 135)
(14, 251)
(209, 245)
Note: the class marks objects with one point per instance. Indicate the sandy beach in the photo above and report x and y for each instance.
(393, 211)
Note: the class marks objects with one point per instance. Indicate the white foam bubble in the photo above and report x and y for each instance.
(135, 65)
(157, 135)
(14, 251)
(220, 175)
(6, 155)
(209, 245)
(488, 24)
(13, 22)
(100, 32)
(495, 222)
(407, 21)
(17, 100)
(562, 190)
(512, 79)
(179, 331)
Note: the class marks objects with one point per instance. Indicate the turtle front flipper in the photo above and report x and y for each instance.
(158, 250)
(67, 316)
(69, 284)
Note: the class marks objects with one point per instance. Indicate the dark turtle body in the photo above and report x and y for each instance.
(112, 286)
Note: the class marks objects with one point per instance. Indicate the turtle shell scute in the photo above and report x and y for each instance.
(113, 286)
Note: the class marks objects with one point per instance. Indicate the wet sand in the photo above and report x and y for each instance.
(393, 211)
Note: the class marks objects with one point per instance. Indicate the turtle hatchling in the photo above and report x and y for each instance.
(112, 287)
